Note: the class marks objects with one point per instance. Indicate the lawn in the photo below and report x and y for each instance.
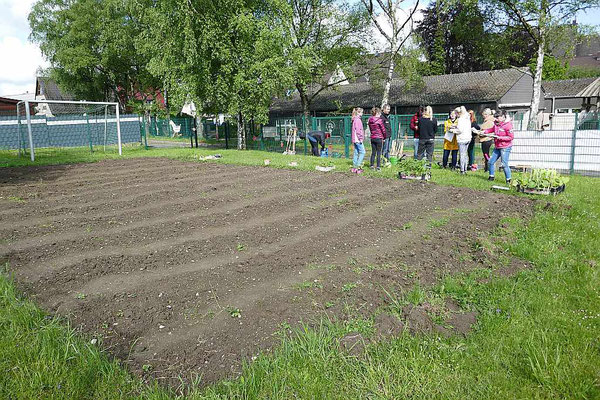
(537, 336)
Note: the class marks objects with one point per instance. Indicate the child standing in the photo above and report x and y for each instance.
(358, 136)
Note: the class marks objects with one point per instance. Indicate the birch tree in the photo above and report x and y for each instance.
(325, 36)
(396, 26)
(541, 19)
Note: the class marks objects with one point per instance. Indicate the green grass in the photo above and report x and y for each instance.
(537, 337)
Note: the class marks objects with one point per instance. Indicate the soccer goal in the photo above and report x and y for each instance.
(50, 125)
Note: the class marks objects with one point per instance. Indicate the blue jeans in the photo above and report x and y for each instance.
(386, 148)
(359, 154)
(416, 147)
(502, 154)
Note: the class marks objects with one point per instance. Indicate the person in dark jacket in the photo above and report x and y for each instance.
(315, 138)
(377, 129)
(385, 117)
(474, 136)
(427, 129)
(414, 126)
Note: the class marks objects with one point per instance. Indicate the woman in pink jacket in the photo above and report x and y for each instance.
(503, 137)
(358, 136)
(377, 129)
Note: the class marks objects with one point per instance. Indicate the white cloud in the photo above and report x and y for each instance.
(20, 59)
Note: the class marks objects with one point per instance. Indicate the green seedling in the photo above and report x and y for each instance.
(241, 247)
(234, 312)
(348, 287)
(81, 296)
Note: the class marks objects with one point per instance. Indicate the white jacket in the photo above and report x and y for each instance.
(464, 129)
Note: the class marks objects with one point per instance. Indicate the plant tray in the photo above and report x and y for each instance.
(544, 191)
(425, 177)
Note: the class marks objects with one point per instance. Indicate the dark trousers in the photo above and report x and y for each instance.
(425, 146)
(376, 147)
(445, 158)
(485, 148)
(471, 151)
(314, 148)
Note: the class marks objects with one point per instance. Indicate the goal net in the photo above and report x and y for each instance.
(49, 126)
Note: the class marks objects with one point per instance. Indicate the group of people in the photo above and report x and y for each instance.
(381, 132)
(461, 131)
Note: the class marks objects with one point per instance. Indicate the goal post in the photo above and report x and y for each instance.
(55, 124)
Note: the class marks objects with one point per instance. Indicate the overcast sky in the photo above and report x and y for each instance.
(20, 59)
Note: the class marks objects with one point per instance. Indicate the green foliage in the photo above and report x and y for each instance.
(553, 68)
(583, 72)
(412, 167)
(540, 179)
(464, 36)
(90, 47)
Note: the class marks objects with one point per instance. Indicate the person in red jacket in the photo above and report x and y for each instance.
(414, 126)
(503, 135)
(377, 129)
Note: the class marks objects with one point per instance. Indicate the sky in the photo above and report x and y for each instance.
(20, 59)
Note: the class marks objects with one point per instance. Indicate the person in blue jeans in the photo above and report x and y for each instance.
(503, 136)
(358, 137)
(385, 117)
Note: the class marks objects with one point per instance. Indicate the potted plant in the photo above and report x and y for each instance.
(540, 181)
(413, 169)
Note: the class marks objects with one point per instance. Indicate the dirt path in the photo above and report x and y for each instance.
(156, 256)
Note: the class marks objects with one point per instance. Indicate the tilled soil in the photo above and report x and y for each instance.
(184, 268)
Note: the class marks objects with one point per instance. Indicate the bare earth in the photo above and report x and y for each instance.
(193, 267)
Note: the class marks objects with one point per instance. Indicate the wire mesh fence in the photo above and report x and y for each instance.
(53, 127)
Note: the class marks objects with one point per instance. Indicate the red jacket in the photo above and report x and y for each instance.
(414, 125)
(504, 131)
(377, 127)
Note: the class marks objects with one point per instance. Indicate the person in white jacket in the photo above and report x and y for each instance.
(463, 137)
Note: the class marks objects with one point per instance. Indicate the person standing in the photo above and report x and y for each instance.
(503, 137)
(414, 126)
(427, 130)
(463, 136)
(377, 129)
(385, 117)
(358, 137)
(474, 129)
(450, 143)
(486, 141)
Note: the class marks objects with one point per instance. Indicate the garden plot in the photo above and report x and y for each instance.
(181, 268)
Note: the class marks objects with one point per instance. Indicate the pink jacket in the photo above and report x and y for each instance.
(358, 133)
(377, 127)
(504, 131)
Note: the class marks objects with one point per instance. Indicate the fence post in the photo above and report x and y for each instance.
(573, 141)
(261, 141)
(227, 134)
(347, 134)
(305, 128)
(87, 117)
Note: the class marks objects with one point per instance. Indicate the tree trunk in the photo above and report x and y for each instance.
(305, 109)
(388, 78)
(147, 121)
(537, 86)
(241, 145)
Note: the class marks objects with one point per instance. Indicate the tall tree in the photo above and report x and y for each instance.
(325, 36)
(465, 36)
(89, 46)
(227, 57)
(542, 19)
(396, 26)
